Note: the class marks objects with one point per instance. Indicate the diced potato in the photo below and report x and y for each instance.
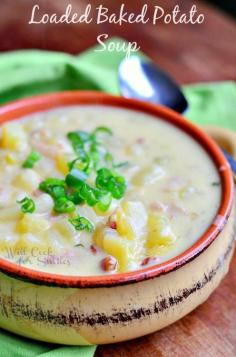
(160, 232)
(56, 241)
(32, 223)
(99, 235)
(131, 219)
(44, 203)
(61, 163)
(11, 159)
(148, 175)
(125, 243)
(13, 137)
(120, 248)
(66, 229)
(27, 180)
(32, 244)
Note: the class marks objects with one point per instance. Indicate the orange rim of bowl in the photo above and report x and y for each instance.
(20, 108)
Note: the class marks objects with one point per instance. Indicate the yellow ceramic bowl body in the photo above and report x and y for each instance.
(97, 310)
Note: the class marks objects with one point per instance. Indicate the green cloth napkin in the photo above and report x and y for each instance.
(16, 346)
(26, 73)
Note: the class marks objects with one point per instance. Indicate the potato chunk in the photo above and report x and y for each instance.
(131, 219)
(126, 241)
(44, 204)
(32, 243)
(148, 175)
(27, 180)
(159, 232)
(65, 229)
(120, 248)
(32, 223)
(13, 137)
(62, 163)
(11, 159)
(99, 235)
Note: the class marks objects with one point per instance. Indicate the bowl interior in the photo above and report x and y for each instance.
(24, 107)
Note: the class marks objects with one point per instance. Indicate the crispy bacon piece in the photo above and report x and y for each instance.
(149, 260)
(93, 249)
(109, 263)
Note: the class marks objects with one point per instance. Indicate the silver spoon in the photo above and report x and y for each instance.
(142, 79)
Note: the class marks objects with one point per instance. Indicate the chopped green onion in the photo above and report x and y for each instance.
(79, 245)
(78, 140)
(103, 129)
(27, 205)
(103, 177)
(31, 160)
(104, 201)
(81, 224)
(94, 154)
(54, 187)
(82, 163)
(74, 190)
(76, 177)
(75, 198)
(86, 145)
(117, 187)
(64, 205)
(110, 181)
(121, 164)
(109, 158)
(78, 136)
(89, 194)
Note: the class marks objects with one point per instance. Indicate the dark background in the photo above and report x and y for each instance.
(227, 5)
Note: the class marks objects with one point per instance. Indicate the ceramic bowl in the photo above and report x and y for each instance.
(96, 310)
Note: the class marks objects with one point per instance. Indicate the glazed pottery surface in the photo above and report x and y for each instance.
(97, 310)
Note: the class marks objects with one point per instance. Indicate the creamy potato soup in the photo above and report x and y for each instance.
(92, 190)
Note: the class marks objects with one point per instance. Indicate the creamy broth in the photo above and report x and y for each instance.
(172, 192)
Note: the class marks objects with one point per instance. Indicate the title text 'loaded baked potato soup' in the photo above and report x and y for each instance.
(92, 190)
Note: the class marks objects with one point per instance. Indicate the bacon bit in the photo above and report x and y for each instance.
(109, 263)
(112, 225)
(112, 222)
(93, 249)
(149, 260)
(141, 141)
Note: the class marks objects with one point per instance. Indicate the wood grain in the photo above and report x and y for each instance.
(189, 53)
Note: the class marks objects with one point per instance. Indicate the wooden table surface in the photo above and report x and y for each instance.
(189, 53)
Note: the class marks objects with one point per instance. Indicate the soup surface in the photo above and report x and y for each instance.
(92, 190)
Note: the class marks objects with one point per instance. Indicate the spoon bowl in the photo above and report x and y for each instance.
(142, 79)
